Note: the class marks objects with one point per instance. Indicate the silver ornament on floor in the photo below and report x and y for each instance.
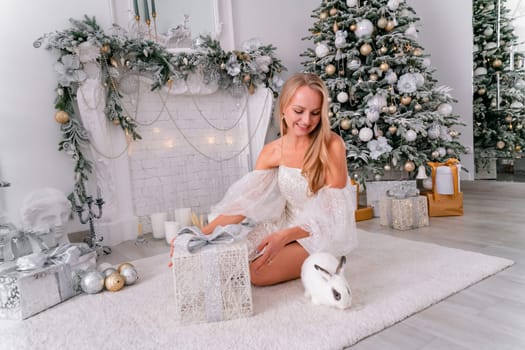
(130, 275)
(92, 282)
(108, 271)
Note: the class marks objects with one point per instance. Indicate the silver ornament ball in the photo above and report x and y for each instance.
(92, 282)
(130, 275)
(109, 271)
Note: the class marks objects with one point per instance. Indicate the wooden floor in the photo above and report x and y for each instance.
(488, 315)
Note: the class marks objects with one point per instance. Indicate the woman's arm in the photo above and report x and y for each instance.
(222, 220)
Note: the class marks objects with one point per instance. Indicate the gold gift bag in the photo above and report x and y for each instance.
(362, 212)
(445, 204)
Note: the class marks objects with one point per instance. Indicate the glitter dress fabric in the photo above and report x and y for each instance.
(278, 198)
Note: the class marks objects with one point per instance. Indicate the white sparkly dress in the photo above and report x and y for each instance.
(278, 198)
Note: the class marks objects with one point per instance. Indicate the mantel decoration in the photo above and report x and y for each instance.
(86, 46)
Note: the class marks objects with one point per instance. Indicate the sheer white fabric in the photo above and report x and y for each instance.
(278, 198)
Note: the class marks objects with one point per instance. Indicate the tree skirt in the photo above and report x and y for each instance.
(391, 279)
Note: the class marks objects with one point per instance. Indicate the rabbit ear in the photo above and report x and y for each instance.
(340, 266)
(325, 274)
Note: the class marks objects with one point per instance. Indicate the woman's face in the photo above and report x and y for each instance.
(303, 113)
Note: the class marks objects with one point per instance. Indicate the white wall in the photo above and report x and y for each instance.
(29, 135)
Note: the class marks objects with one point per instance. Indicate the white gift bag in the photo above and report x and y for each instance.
(445, 180)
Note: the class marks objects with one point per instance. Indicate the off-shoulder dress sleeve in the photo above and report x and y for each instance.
(329, 216)
(256, 196)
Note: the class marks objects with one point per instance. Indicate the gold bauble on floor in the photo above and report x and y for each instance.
(114, 282)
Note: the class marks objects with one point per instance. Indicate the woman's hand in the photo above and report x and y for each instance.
(272, 245)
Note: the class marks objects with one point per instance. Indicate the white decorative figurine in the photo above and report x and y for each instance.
(46, 210)
(324, 282)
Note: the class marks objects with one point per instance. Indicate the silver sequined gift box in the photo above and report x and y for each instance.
(25, 293)
(375, 190)
(403, 214)
(212, 284)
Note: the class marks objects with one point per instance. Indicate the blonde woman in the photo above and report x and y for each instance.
(299, 194)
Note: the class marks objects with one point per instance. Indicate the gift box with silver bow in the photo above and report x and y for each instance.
(35, 282)
(211, 275)
(375, 190)
(403, 208)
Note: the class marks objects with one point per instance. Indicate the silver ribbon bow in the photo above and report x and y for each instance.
(191, 238)
(402, 191)
(65, 254)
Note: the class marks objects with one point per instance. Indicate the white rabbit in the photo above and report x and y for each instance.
(324, 282)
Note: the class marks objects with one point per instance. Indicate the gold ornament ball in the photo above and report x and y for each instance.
(383, 50)
(519, 126)
(333, 11)
(392, 109)
(500, 144)
(482, 91)
(373, 77)
(409, 166)
(387, 167)
(247, 78)
(105, 49)
(355, 132)
(353, 27)
(453, 133)
(418, 107)
(508, 119)
(384, 109)
(417, 52)
(330, 69)
(61, 117)
(392, 129)
(365, 49)
(330, 114)
(116, 121)
(345, 124)
(114, 282)
(425, 99)
(390, 25)
(125, 266)
(335, 27)
(382, 22)
(518, 148)
(323, 15)
(405, 100)
(497, 63)
(384, 66)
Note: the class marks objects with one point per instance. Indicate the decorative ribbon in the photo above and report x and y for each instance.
(452, 164)
(402, 191)
(65, 254)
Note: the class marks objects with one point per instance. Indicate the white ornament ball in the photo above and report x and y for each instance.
(92, 282)
(435, 154)
(365, 134)
(444, 109)
(130, 275)
(516, 104)
(520, 84)
(378, 177)
(321, 50)
(418, 107)
(355, 132)
(101, 267)
(354, 64)
(372, 115)
(351, 3)
(500, 144)
(433, 132)
(442, 151)
(411, 135)
(480, 71)
(387, 167)
(364, 28)
(342, 97)
(488, 32)
(427, 183)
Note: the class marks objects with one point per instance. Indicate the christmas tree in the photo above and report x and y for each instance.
(384, 101)
(499, 83)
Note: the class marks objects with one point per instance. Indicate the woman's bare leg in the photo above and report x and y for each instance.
(283, 267)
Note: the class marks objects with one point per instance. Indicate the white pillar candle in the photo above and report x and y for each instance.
(157, 224)
(171, 229)
(183, 216)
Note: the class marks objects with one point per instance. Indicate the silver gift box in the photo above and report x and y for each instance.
(25, 293)
(375, 190)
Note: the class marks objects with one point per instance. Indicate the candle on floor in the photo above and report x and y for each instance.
(183, 216)
(157, 224)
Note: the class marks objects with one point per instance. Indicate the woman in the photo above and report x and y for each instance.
(299, 194)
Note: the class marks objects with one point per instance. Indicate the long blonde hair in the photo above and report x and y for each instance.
(315, 163)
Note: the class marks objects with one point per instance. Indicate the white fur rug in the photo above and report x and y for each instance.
(391, 279)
